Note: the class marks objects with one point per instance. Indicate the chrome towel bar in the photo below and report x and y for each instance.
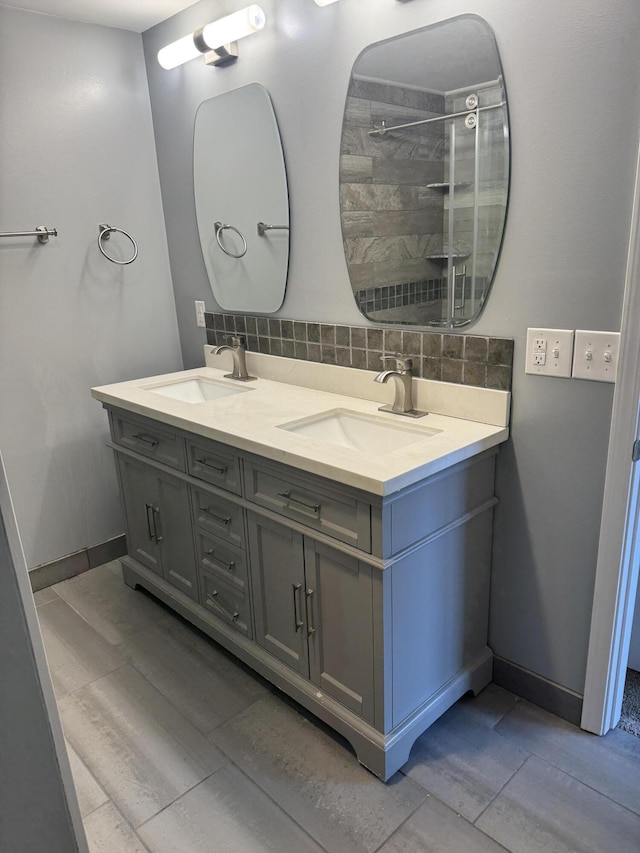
(41, 232)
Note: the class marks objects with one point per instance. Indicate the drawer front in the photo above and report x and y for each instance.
(311, 503)
(149, 439)
(218, 516)
(226, 603)
(222, 560)
(214, 463)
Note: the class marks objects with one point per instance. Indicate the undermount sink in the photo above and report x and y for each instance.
(366, 433)
(196, 389)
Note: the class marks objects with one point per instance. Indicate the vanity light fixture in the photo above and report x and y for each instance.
(218, 41)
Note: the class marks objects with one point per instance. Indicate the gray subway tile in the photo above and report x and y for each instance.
(452, 346)
(500, 351)
(358, 337)
(313, 333)
(343, 336)
(499, 377)
(327, 334)
(264, 345)
(288, 349)
(452, 370)
(276, 346)
(314, 352)
(300, 350)
(474, 373)
(300, 332)
(275, 330)
(263, 327)
(287, 329)
(475, 348)
(432, 345)
(374, 339)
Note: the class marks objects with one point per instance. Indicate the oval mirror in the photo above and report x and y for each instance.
(242, 204)
(424, 174)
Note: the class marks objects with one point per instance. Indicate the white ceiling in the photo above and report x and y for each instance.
(136, 15)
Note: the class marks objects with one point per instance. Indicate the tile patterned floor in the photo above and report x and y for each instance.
(176, 747)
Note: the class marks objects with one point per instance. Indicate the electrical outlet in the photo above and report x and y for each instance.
(595, 355)
(549, 352)
(200, 314)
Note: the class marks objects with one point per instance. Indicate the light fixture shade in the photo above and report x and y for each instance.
(324, 2)
(178, 52)
(234, 27)
(214, 35)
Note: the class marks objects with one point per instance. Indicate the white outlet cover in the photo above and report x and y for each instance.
(557, 346)
(603, 348)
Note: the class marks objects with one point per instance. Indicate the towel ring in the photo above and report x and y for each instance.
(219, 228)
(105, 234)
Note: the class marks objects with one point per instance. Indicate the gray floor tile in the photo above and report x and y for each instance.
(44, 596)
(610, 764)
(112, 608)
(108, 832)
(90, 794)
(463, 763)
(435, 828)
(543, 810)
(198, 678)
(76, 654)
(315, 779)
(226, 813)
(141, 750)
(489, 706)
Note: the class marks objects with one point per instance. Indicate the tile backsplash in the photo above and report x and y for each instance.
(463, 359)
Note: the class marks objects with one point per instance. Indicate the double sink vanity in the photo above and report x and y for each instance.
(341, 552)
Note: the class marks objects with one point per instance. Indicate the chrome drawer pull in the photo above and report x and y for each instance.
(295, 503)
(226, 521)
(308, 606)
(149, 509)
(297, 622)
(146, 439)
(228, 568)
(221, 470)
(231, 616)
(155, 514)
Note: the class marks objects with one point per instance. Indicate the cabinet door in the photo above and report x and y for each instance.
(339, 616)
(171, 514)
(277, 573)
(138, 497)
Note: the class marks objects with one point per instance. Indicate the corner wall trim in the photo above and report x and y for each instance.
(74, 564)
(546, 694)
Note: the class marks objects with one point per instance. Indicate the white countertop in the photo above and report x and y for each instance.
(250, 421)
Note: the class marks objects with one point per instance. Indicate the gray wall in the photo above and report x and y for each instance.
(37, 799)
(573, 78)
(77, 150)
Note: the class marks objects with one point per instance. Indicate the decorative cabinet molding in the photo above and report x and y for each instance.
(370, 612)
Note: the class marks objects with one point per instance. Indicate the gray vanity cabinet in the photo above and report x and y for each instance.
(370, 611)
(159, 530)
(313, 611)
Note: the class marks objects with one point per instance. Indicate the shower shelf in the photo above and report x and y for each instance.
(445, 186)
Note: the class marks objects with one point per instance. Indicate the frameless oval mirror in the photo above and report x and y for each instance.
(242, 204)
(424, 174)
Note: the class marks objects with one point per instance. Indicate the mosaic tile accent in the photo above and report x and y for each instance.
(464, 359)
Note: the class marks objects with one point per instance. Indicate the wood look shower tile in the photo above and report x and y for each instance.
(108, 832)
(44, 596)
(115, 610)
(141, 750)
(435, 828)
(76, 654)
(610, 764)
(316, 779)
(544, 810)
(463, 763)
(193, 673)
(228, 813)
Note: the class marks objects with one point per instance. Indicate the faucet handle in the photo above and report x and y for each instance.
(236, 340)
(399, 361)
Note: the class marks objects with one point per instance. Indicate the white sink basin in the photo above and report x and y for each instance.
(366, 433)
(196, 389)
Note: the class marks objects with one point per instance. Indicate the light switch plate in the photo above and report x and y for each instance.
(200, 321)
(549, 352)
(595, 355)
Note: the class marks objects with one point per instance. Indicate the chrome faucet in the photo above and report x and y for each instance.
(238, 349)
(401, 375)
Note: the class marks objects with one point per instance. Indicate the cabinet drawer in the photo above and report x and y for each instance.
(221, 559)
(311, 502)
(149, 439)
(218, 516)
(226, 603)
(214, 463)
